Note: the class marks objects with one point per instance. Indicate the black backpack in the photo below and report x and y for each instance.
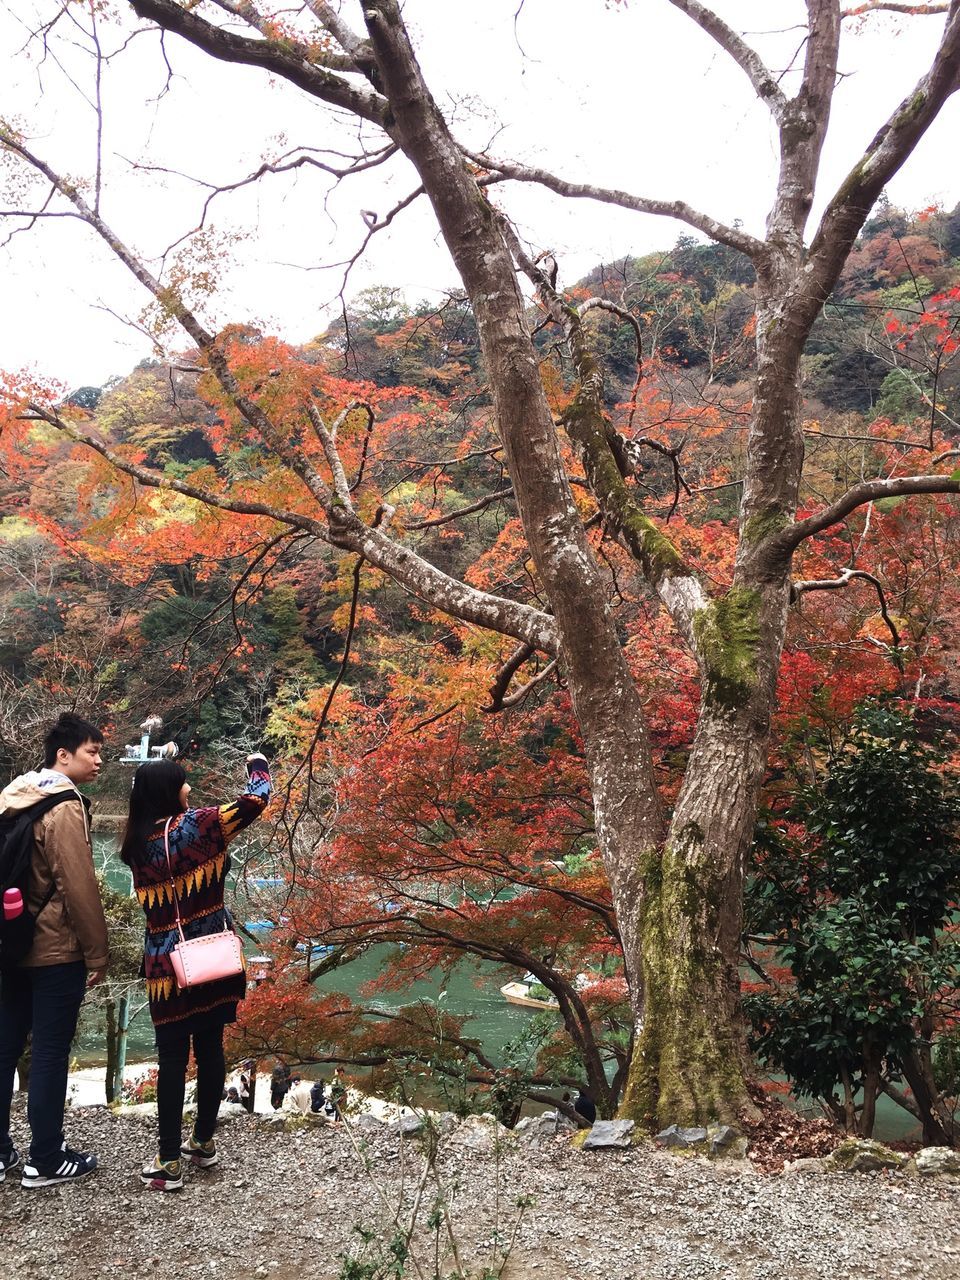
(16, 856)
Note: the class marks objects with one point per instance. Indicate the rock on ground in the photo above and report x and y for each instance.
(285, 1205)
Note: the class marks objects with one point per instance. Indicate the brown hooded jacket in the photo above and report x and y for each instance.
(71, 926)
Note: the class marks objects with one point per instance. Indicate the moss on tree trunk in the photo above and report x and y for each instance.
(687, 1067)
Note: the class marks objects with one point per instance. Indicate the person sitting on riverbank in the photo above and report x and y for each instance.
(179, 863)
(298, 1099)
(585, 1106)
(68, 952)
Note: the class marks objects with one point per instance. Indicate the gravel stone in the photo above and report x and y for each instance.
(284, 1205)
(675, 1136)
(608, 1133)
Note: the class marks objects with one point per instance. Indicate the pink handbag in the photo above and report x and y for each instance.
(199, 960)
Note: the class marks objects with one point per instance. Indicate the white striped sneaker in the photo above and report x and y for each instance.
(73, 1165)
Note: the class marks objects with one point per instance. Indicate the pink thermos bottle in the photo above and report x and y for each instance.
(12, 904)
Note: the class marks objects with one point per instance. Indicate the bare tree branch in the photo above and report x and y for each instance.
(890, 6)
(797, 589)
(747, 59)
(790, 538)
(480, 505)
(289, 59)
(516, 698)
(506, 673)
(678, 209)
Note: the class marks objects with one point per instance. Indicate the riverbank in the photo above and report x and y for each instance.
(85, 1088)
(285, 1205)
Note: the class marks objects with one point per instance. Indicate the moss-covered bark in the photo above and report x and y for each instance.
(687, 1066)
(622, 515)
(727, 635)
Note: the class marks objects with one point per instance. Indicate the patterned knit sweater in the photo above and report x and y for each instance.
(199, 862)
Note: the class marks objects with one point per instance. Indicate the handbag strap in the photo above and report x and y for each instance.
(173, 883)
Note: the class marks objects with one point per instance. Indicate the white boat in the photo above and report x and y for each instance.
(519, 993)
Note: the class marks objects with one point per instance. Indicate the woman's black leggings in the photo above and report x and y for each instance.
(173, 1054)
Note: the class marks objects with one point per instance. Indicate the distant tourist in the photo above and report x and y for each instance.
(318, 1096)
(298, 1097)
(338, 1093)
(585, 1106)
(279, 1084)
(179, 862)
(59, 946)
(233, 1095)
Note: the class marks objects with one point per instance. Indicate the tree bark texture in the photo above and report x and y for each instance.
(628, 814)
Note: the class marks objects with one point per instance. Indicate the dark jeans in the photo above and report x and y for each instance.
(173, 1054)
(46, 1000)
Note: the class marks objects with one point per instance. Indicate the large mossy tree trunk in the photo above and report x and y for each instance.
(677, 894)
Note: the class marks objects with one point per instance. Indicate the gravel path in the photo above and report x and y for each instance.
(284, 1206)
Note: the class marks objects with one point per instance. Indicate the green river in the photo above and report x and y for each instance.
(470, 989)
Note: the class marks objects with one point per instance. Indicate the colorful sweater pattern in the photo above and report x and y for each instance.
(199, 864)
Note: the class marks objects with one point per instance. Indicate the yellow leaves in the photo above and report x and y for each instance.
(15, 528)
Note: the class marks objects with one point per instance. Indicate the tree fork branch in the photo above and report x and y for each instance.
(747, 59)
(292, 63)
(587, 426)
(848, 575)
(894, 142)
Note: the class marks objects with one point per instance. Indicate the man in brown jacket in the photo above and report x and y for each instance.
(69, 952)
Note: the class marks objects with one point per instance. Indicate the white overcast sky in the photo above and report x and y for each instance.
(634, 97)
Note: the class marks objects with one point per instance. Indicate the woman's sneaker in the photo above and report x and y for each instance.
(202, 1154)
(73, 1165)
(163, 1175)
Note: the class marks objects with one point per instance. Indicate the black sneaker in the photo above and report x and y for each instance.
(8, 1160)
(73, 1165)
(163, 1175)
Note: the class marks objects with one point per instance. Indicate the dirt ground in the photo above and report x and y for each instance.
(288, 1205)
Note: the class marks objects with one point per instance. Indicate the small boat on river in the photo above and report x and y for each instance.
(522, 993)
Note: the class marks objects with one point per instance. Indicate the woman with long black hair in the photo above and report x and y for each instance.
(178, 857)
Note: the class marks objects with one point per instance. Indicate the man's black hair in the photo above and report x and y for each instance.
(70, 732)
